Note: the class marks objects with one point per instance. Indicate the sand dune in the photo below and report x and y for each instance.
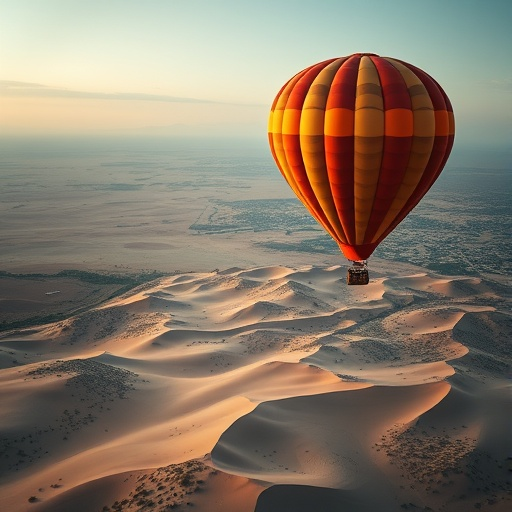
(264, 389)
(330, 452)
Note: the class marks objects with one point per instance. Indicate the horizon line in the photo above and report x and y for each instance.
(14, 88)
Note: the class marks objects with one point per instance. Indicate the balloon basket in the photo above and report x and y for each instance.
(358, 273)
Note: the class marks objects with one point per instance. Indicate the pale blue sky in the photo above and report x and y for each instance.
(110, 65)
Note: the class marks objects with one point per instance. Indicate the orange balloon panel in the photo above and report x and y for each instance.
(360, 140)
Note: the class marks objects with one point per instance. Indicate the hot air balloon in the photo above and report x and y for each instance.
(360, 140)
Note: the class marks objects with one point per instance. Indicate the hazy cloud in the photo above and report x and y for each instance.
(504, 84)
(28, 89)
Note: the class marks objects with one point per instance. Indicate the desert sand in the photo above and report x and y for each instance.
(264, 389)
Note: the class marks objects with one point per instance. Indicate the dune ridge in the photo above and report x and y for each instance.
(243, 389)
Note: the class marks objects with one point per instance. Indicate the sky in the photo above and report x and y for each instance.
(199, 67)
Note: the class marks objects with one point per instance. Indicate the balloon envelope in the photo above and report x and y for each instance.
(360, 140)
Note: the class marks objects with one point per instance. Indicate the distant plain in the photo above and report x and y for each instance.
(183, 204)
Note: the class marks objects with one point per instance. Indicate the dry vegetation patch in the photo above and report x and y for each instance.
(167, 488)
(97, 380)
(446, 465)
(92, 386)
